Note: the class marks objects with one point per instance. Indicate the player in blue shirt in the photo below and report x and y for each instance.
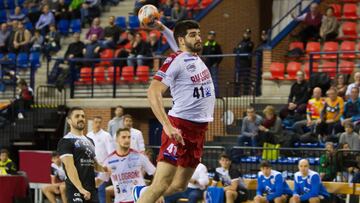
(271, 186)
(307, 185)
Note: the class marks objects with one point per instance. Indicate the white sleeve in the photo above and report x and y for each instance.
(301, 18)
(141, 143)
(168, 71)
(348, 90)
(169, 35)
(147, 165)
(203, 178)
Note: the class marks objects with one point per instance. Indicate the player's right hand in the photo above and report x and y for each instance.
(174, 133)
(157, 25)
(85, 193)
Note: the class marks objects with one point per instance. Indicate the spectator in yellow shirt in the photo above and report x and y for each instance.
(330, 116)
(7, 166)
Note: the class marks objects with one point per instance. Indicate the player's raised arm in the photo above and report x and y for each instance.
(169, 35)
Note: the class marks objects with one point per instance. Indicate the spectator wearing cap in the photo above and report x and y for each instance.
(212, 47)
(243, 63)
(46, 19)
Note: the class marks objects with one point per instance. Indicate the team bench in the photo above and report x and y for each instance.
(331, 187)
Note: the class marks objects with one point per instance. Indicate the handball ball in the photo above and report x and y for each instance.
(148, 14)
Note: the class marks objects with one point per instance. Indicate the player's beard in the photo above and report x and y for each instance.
(196, 47)
(79, 126)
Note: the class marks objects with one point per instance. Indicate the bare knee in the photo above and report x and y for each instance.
(230, 195)
(257, 199)
(279, 199)
(294, 200)
(159, 188)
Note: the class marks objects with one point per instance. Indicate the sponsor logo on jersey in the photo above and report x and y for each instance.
(161, 74)
(201, 77)
(126, 176)
(191, 68)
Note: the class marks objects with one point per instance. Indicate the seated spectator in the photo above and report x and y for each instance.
(62, 11)
(272, 187)
(166, 11)
(329, 26)
(75, 10)
(7, 166)
(250, 128)
(10, 40)
(95, 29)
(327, 168)
(57, 186)
(137, 138)
(340, 85)
(4, 35)
(196, 187)
(37, 41)
(178, 12)
(113, 31)
(270, 130)
(139, 50)
(90, 10)
(52, 41)
(307, 185)
(46, 19)
(23, 101)
(350, 137)
(22, 38)
(298, 97)
(313, 110)
(92, 50)
(352, 109)
(330, 117)
(18, 15)
(230, 178)
(352, 85)
(312, 22)
(154, 43)
(75, 49)
(347, 163)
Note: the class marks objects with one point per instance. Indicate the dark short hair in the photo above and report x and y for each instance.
(122, 130)
(127, 116)
(2, 151)
(265, 164)
(182, 27)
(22, 82)
(330, 7)
(71, 110)
(54, 154)
(349, 125)
(119, 107)
(224, 156)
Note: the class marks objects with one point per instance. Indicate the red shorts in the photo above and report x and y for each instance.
(187, 155)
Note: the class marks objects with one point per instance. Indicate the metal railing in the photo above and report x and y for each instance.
(108, 78)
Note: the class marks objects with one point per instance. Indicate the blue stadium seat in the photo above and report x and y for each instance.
(20, 2)
(1, 56)
(2, 6)
(63, 27)
(10, 4)
(22, 60)
(29, 26)
(11, 56)
(34, 59)
(121, 22)
(3, 16)
(134, 22)
(75, 25)
(25, 11)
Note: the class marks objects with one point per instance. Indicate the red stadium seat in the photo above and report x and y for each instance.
(350, 12)
(330, 47)
(307, 68)
(143, 35)
(349, 30)
(143, 73)
(294, 45)
(313, 47)
(85, 75)
(99, 75)
(329, 67)
(110, 74)
(205, 3)
(291, 69)
(348, 46)
(337, 10)
(106, 54)
(192, 4)
(157, 33)
(182, 2)
(347, 67)
(128, 74)
(277, 71)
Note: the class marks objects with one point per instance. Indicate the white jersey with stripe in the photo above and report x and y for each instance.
(191, 87)
(127, 172)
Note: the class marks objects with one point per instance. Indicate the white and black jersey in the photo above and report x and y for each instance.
(82, 149)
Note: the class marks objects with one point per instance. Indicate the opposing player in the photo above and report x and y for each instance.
(77, 153)
(271, 186)
(184, 128)
(127, 167)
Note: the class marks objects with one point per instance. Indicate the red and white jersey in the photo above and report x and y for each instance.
(191, 87)
(127, 172)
